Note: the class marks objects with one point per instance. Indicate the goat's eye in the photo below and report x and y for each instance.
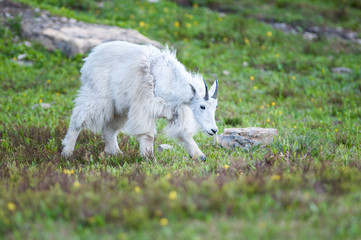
(203, 107)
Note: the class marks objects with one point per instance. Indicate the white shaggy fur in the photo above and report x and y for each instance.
(126, 87)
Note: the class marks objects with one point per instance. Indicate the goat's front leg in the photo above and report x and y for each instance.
(191, 146)
(146, 145)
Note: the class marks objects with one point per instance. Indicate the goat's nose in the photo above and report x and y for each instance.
(214, 130)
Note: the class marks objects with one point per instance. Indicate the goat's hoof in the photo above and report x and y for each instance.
(203, 158)
(66, 154)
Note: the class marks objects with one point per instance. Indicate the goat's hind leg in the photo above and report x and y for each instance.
(110, 133)
(71, 137)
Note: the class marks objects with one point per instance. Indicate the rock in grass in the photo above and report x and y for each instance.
(42, 105)
(341, 70)
(66, 34)
(163, 147)
(309, 36)
(245, 137)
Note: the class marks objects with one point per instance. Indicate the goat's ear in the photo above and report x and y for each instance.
(214, 90)
(194, 93)
(193, 90)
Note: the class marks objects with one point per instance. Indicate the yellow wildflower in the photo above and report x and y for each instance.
(295, 126)
(11, 206)
(188, 25)
(172, 195)
(137, 189)
(195, 5)
(91, 219)
(158, 213)
(276, 177)
(76, 184)
(141, 24)
(336, 130)
(255, 88)
(240, 100)
(226, 166)
(269, 34)
(163, 222)
(246, 41)
(268, 120)
(189, 16)
(48, 81)
(277, 55)
(176, 24)
(273, 104)
(293, 77)
(262, 225)
(165, 9)
(41, 100)
(306, 195)
(261, 107)
(68, 172)
(57, 94)
(252, 78)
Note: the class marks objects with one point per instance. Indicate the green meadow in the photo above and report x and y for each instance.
(305, 185)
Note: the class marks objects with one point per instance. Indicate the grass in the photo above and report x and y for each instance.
(304, 185)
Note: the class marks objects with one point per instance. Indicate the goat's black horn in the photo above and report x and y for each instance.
(215, 91)
(206, 97)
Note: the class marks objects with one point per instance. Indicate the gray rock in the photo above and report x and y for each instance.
(100, 4)
(23, 62)
(245, 137)
(226, 72)
(20, 60)
(69, 35)
(42, 105)
(21, 56)
(233, 141)
(74, 39)
(313, 32)
(163, 147)
(27, 43)
(341, 70)
(309, 36)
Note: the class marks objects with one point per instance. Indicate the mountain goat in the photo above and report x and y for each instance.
(126, 87)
